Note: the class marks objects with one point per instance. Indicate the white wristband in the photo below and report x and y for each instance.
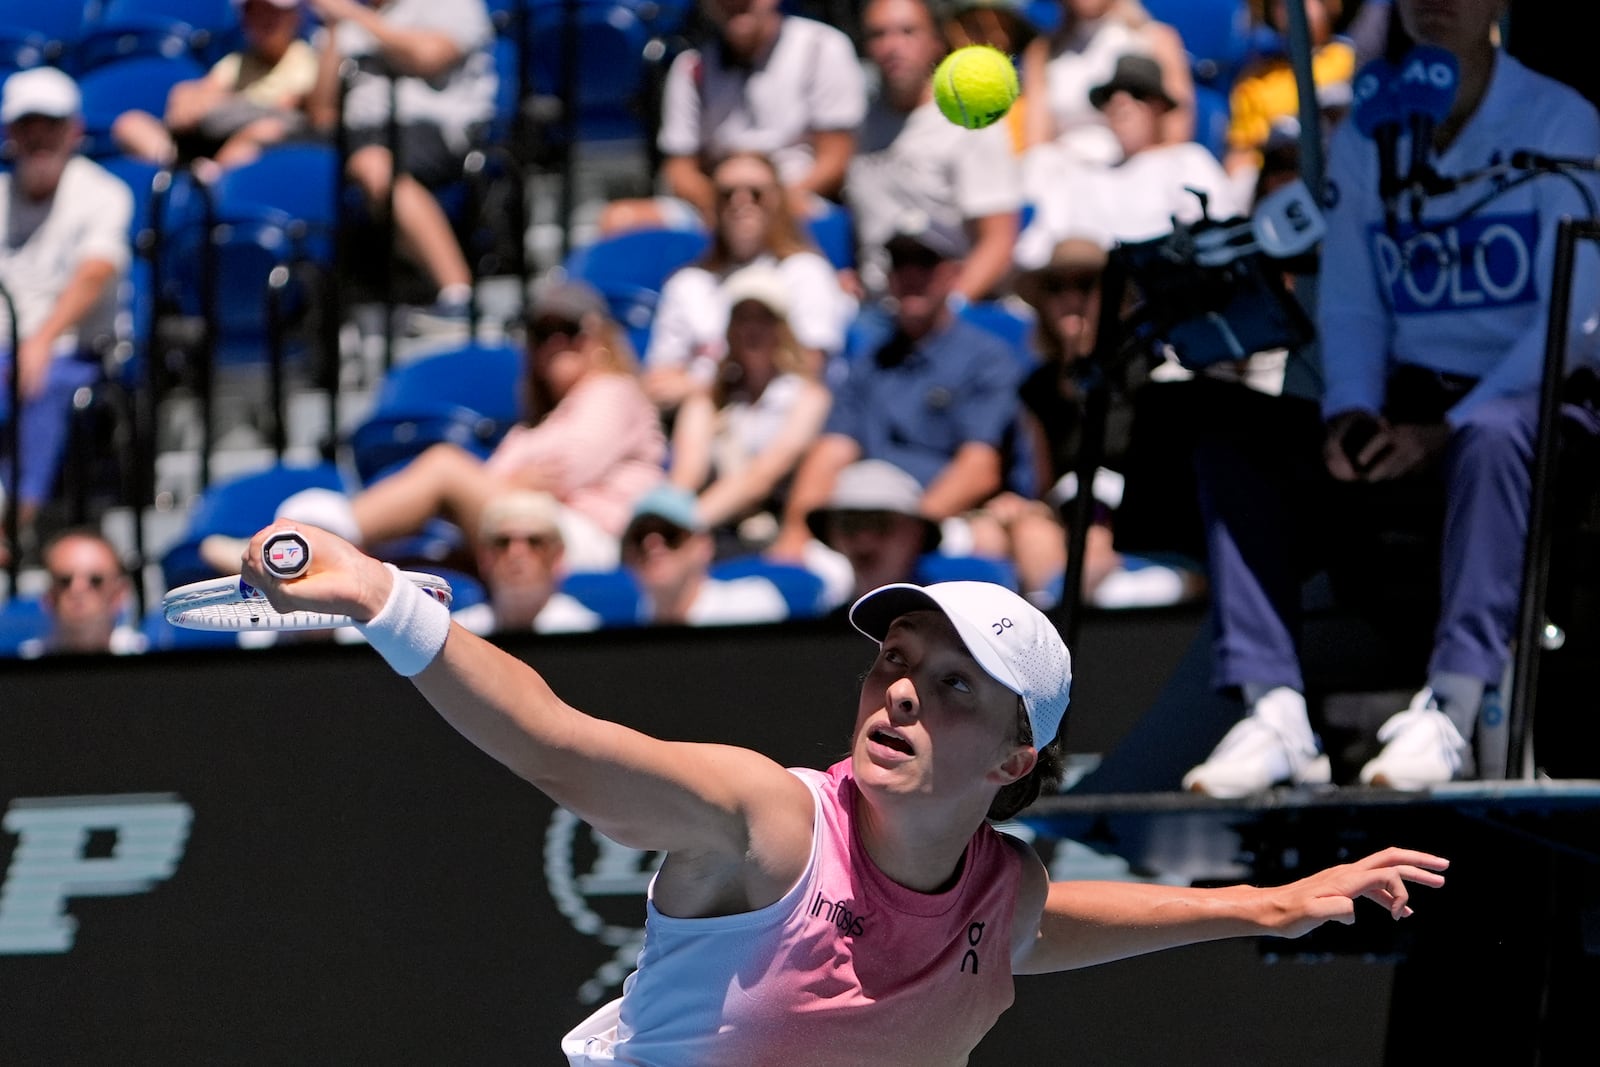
(410, 630)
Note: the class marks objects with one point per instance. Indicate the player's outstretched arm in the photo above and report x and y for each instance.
(1084, 923)
(636, 789)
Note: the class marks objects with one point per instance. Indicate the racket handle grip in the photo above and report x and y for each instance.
(285, 554)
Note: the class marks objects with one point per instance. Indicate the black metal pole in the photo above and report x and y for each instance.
(14, 443)
(1536, 554)
(570, 67)
(392, 137)
(205, 384)
(1096, 384)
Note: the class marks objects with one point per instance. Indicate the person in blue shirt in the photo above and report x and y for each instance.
(938, 398)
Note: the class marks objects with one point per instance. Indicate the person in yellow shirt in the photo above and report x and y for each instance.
(250, 99)
(1266, 94)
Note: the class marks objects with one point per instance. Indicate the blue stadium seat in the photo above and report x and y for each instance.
(206, 29)
(21, 49)
(1216, 34)
(802, 590)
(1009, 321)
(934, 567)
(642, 258)
(468, 397)
(238, 508)
(834, 232)
(56, 23)
(131, 84)
(294, 186)
(1211, 117)
(611, 44)
(21, 619)
(612, 595)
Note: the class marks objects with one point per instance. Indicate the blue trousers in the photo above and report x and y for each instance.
(44, 426)
(1265, 505)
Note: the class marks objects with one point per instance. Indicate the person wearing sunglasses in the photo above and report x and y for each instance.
(753, 226)
(519, 554)
(668, 551)
(86, 600)
(590, 438)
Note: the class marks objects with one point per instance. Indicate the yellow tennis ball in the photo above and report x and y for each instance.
(975, 86)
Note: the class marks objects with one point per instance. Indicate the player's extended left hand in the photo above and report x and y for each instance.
(1330, 894)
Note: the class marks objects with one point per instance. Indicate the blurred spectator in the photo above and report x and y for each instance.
(911, 158)
(247, 101)
(688, 335)
(668, 551)
(1065, 293)
(87, 600)
(1138, 197)
(1058, 72)
(1001, 24)
(738, 442)
(63, 248)
(1432, 368)
(767, 82)
(873, 518)
(591, 439)
(445, 93)
(519, 554)
(938, 399)
(1265, 96)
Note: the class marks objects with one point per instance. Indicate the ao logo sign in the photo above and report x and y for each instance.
(51, 863)
(599, 887)
(1479, 263)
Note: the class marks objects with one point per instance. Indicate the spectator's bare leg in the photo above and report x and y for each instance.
(424, 231)
(445, 479)
(246, 144)
(144, 136)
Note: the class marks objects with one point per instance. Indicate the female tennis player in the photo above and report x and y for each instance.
(862, 914)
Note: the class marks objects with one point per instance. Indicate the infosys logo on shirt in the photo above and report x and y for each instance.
(1479, 263)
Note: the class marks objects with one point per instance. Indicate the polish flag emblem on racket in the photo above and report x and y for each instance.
(285, 555)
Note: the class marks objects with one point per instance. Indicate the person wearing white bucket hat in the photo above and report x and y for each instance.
(866, 913)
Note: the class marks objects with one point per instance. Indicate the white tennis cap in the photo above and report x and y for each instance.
(39, 91)
(1012, 640)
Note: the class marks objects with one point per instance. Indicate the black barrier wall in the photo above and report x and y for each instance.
(286, 857)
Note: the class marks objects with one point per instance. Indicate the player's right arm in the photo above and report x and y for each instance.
(709, 800)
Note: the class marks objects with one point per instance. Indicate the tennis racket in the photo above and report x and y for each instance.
(234, 604)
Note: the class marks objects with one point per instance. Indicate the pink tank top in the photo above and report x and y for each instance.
(848, 968)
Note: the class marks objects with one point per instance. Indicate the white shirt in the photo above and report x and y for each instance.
(920, 161)
(454, 100)
(1134, 201)
(43, 243)
(561, 614)
(692, 317)
(733, 602)
(1081, 129)
(810, 81)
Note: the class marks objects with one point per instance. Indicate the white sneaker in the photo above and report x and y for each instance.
(1270, 746)
(1422, 747)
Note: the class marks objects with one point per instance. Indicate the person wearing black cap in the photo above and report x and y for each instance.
(1137, 198)
(938, 399)
(863, 914)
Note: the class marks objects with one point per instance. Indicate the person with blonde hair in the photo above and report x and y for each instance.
(590, 438)
(737, 443)
(754, 225)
